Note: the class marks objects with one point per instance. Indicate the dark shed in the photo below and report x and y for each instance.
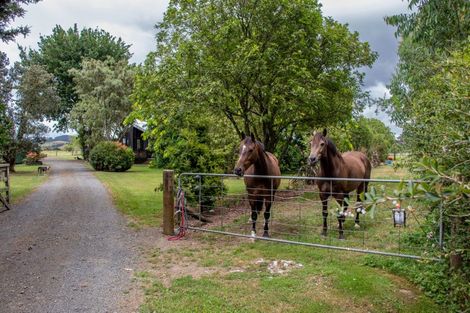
(136, 142)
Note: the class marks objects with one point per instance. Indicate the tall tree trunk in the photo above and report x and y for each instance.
(12, 167)
(12, 161)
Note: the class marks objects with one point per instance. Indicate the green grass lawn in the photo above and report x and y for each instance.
(220, 274)
(133, 193)
(389, 172)
(24, 181)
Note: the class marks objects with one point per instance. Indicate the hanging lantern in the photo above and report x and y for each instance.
(399, 215)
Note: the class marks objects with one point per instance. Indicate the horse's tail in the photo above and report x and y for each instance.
(368, 166)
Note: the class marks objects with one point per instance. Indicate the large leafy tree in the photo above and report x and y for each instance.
(433, 66)
(34, 96)
(103, 89)
(369, 135)
(438, 25)
(274, 68)
(5, 94)
(64, 50)
(9, 11)
(430, 101)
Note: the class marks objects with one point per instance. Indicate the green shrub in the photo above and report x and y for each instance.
(34, 158)
(111, 156)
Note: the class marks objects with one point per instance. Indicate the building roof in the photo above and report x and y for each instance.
(140, 125)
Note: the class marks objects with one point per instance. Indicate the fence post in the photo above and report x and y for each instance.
(168, 203)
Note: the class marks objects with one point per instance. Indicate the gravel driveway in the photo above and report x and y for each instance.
(65, 248)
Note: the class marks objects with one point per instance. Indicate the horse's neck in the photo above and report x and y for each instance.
(261, 164)
(331, 165)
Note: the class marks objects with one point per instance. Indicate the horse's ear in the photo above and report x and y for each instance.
(253, 137)
(324, 132)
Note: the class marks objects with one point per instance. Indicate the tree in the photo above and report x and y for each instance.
(35, 95)
(382, 141)
(9, 11)
(369, 135)
(5, 93)
(437, 25)
(103, 89)
(274, 68)
(430, 101)
(64, 50)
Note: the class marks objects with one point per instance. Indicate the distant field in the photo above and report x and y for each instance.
(62, 155)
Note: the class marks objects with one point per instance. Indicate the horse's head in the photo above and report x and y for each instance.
(249, 149)
(318, 147)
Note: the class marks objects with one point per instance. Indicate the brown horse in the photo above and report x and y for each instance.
(352, 164)
(254, 160)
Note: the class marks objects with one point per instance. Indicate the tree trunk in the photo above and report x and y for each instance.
(455, 258)
(12, 162)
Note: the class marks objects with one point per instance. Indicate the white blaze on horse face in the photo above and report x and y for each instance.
(241, 155)
(317, 148)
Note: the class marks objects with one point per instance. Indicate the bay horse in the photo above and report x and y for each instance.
(351, 164)
(254, 160)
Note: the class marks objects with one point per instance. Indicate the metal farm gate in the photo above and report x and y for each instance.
(217, 203)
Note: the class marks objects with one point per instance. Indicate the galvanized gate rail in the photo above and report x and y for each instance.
(199, 176)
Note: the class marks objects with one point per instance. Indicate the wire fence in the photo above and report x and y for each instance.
(219, 204)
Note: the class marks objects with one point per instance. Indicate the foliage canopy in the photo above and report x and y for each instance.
(274, 68)
(64, 50)
(103, 89)
(430, 101)
(9, 11)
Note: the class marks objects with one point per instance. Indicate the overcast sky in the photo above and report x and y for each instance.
(134, 22)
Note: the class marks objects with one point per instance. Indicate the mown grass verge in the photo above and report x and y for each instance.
(24, 181)
(219, 274)
(134, 193)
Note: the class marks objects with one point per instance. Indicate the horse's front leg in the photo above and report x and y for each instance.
(324, 203)
(256, 204)
(360, 207)
(267, 214)
(342, 214)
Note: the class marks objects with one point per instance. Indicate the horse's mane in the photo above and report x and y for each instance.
(332, 148)
(262, 158)
(326, 163)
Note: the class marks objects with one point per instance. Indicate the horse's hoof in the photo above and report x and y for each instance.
(357, 226)
(341, 237)
(253, 237)
(266, 235)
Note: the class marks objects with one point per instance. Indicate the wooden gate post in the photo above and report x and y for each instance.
(168, 203)
(5, 188)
